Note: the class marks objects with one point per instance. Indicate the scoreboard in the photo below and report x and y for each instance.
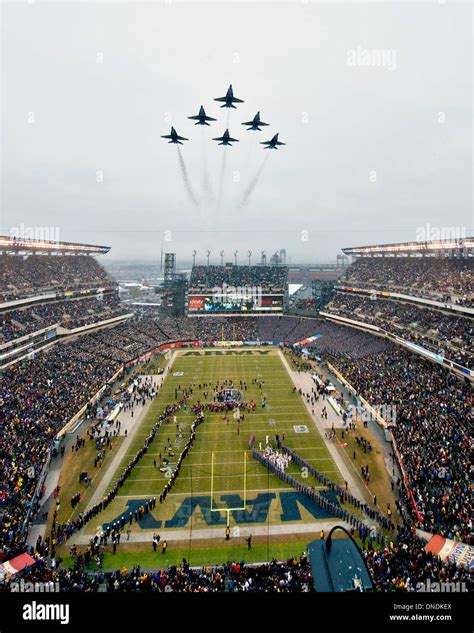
(199, 304)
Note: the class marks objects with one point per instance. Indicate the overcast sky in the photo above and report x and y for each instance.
(373, 154)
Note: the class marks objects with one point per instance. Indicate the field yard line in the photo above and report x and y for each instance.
(306, 385)
(213, 432)
(208, 476)
(216, 492)
(218, 533)
(310, 459)
(236, 450)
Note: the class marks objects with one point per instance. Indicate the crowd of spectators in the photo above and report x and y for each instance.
(441, 278)
(69, 314)
(432, 432)
(268, 278)
(446, 331)
(336, 340)
(32, 275)
(293, 575)
(405, 566)
(38, 397)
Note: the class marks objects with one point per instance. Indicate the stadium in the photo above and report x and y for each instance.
(236, 317)
(208, 452)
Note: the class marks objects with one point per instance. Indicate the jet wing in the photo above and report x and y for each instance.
(280, 143)
(249, 123)
(234, 140)
(220, 99)
(235, 100)
(262, 123)
(209, 118)
(196, 118)
(167, 136)
(219, 138)
(182, 138)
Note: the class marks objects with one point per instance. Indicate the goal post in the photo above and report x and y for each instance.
(229, 510)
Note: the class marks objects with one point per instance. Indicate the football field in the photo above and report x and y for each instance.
(219, 480)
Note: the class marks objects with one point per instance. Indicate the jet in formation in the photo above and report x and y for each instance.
(255, 123)
(202, 118)
(226, 139)
(273, 143)
(229, 99)
(175, 138)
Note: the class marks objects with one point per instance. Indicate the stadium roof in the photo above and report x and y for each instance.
(464, 245)
(28, 245)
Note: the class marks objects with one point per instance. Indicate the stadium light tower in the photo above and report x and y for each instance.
(264, 258)
(194, 257)
(235, 257)
(208, 253)
(249, 252)
(222, 258)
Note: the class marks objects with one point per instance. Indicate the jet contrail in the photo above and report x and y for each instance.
(187, 184)
(252, 185)
(206, 181)
(221, 177)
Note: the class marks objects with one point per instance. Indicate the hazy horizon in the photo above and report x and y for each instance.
(374, 103)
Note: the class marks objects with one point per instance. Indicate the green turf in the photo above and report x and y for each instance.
(231, 551)
(284, 410)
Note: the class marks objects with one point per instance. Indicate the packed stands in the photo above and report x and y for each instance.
(293, 575)
(269, 278)
(402, 565)
(412, 322)
(432, 432)
(38, 397)
(34, 274)
(69, 314)
(443, 279)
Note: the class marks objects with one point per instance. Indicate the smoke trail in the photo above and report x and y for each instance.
(206, 181)
(252, 185)
(221, 177)
(187, 183)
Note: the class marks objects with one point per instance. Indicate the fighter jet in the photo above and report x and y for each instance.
(229, 99)
(174, 137)
(225, 140)
(255, 123)
(202, 118)
(273, 143)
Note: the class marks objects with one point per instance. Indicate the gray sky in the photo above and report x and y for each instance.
(103, 79)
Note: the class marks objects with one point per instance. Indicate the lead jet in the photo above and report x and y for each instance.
(255, 123)
(229, 99)
(202, 118)
(174, 137)
(272, 144)
(225, 140)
